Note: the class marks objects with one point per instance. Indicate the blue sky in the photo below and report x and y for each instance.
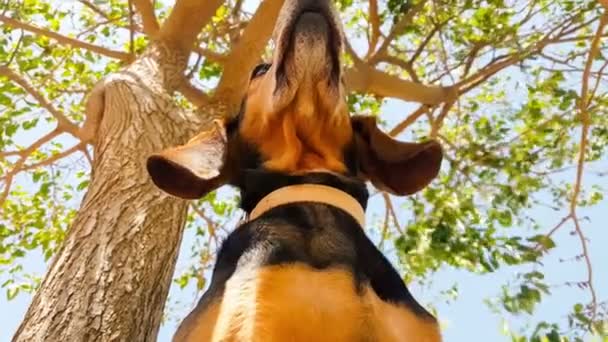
(468, 317)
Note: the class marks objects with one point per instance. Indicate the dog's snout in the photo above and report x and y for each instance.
(313, 26)
(306, 71)
(313, 5)
(308, 37)
(315, 15)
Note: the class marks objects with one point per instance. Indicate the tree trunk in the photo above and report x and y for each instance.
(110, 280)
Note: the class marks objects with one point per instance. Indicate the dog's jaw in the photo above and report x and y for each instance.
(308, 39)
(296, 112)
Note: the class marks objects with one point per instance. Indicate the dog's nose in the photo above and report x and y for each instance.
(312, 23)
(308, 40)
(313, 5)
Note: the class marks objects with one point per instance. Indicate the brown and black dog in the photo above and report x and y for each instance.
(301, 268)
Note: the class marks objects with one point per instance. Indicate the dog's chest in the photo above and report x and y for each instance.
(280, 281)
(298, 303)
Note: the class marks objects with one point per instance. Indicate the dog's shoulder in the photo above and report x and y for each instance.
(307, 270)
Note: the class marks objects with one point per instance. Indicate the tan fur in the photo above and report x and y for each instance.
(297, 303)
(305, 135)
(200, 326)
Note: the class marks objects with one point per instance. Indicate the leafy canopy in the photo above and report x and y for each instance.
(522, 120)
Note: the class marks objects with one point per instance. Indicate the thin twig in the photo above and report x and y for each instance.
(438, 123)
(383, 234)
(425, 42)
(400, 127)
(211, 226)
(66, 40)
(237, 8)
(374, 24)
(87, 155)
(64, 123)
(131, 29)
(94, 8)
(583, 106)
(502, 62)
(598, 76)
(407, 66)
(396, 30)
(539, 246)
(194, 67)
(53, 158)
(14, 53)
(391, 209)
(24, 154)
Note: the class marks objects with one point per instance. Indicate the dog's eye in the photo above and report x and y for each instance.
(260, 70)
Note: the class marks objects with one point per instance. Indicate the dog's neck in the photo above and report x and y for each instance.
(310, 193)
(257, 184)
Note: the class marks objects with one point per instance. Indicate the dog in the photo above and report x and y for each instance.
(301, 267)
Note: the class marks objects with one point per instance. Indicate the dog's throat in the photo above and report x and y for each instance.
(315, 193)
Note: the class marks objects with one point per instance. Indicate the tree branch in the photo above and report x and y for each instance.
(583, 106)
(53, 158)
(95, 9)
(539, 246)
(196, 96)
(87, 155)
(583, 240)
(15, 50)
(505, 61)
(131, 29)
(63, 123)
(351, 51)
(186, 20)
(374, 23)
(211, 225)
(247, 51)
(384, 233)
(409, 120)
(397, 29)
(407, 66)
(437, 123)
(145, 8)
(599, 75)
(123, 56)
(366, 79)
(238, 4)
(391, 210)
(425, 42)
(23, 155)
(210, 55)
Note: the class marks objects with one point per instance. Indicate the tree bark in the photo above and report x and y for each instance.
(110, 280)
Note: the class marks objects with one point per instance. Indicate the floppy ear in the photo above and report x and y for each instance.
(192, 170)
(398, 167)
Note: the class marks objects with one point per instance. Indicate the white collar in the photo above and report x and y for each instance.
(310, 193)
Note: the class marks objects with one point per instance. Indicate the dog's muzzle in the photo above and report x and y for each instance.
(309, 42)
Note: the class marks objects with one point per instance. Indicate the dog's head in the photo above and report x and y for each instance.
(294, 120)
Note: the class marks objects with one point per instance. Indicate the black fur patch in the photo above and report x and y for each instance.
(320, 236)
